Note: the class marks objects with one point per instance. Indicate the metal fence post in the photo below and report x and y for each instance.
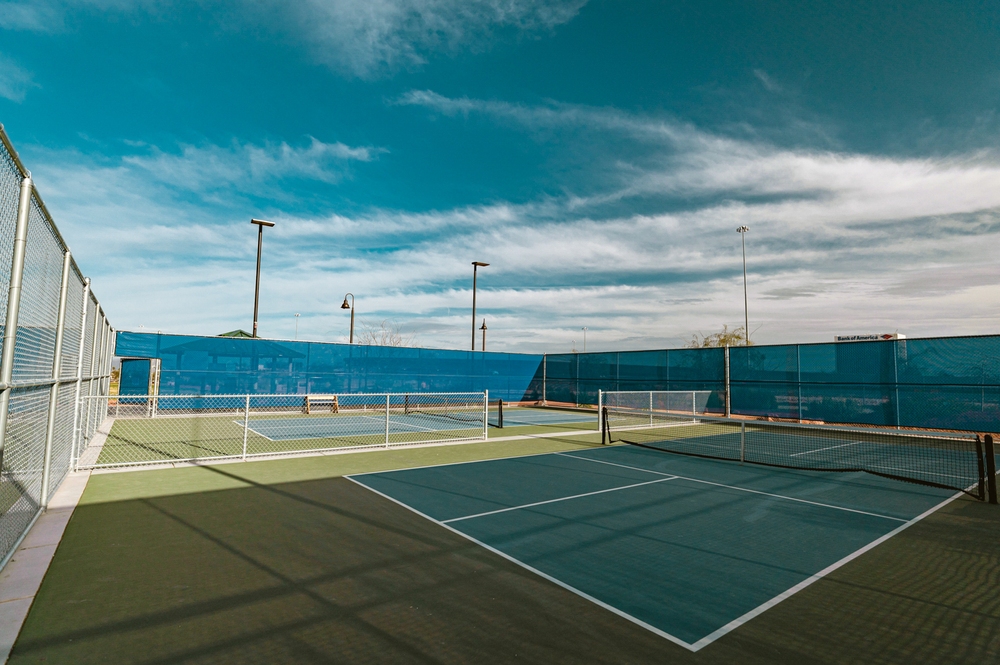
(486, 412)
(600, 410)
(79, 373)
(798, 368)
(13, 307)
(246, 426)
(895, 378)
(545, 367)
(729, 403)
(85, 420)
(387, 420)
(50, 424)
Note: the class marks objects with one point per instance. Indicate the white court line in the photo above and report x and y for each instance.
(557, 582)
(740, 489)
(809, 452)
(760, 609)
(564, 498)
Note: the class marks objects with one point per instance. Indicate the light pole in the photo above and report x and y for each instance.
(296, 325)
(484, 334)
(256, 291)
(746, 313)
(475, 267)
(350, 307)
(585, 339)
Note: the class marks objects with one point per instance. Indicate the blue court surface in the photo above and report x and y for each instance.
(516, 417)
(322, 427)
(689, 548)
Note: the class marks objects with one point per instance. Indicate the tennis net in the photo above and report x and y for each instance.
(928, 458)
(466, 408)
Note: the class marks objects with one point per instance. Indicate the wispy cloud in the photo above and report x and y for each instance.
(247, 167)
(14, 81)
(367, 38)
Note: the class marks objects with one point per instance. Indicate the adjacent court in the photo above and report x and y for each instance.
(689, 548)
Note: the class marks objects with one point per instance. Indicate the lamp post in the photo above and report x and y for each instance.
(484, 334)
(350, 307)
(746, 314)
(256, 291)
(296, 325)
(475, 267)
(585, 339)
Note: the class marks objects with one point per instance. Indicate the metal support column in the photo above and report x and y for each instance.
(85, 425)
(13, 306)
(486, 412)
(246, 426)
(50, 425)
(387, 420)
(895, 378)
(79, 373)
(545, 367)
(798, 368)
(729, 403)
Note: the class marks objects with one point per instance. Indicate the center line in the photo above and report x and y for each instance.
(563, 498)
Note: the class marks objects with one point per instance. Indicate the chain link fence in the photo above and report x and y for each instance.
(56, 346)
(141, 429)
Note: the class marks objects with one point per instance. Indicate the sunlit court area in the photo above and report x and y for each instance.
(461, 332)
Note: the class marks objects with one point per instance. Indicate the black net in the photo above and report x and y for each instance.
(468, 409)
(939, 460)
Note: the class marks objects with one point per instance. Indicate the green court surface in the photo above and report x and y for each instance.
(287, 561)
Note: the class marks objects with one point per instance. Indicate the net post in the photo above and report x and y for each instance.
(605, 434)
(500, 413)
(486, 412)
(246, 423)
(387, 420)
(600, 412)
(991, 470)
(980, 457)
(743, 442)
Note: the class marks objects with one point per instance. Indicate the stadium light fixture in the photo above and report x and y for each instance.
(746, 314)
(350, 307)
(476, 265)
(256, 290)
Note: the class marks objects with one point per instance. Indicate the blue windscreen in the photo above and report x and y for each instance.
(227, 365)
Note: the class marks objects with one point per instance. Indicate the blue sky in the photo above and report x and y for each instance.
(600, 155)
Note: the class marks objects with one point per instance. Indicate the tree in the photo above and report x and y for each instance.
(727, 337)
(383, 333)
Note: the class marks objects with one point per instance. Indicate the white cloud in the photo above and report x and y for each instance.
(366, 38)
(246, 167)
(14, 81)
